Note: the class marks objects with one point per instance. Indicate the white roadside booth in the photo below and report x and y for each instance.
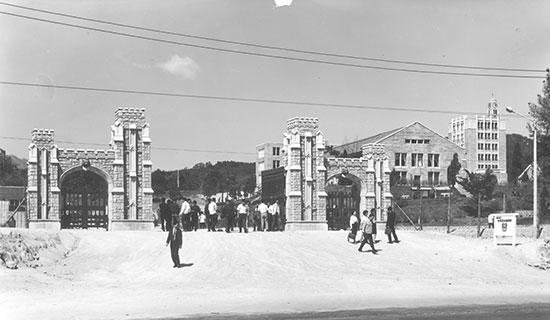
(504, 231)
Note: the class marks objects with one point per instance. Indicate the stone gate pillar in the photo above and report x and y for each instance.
(303, 147)
(43, 191)
(378, 194)
(132, 193)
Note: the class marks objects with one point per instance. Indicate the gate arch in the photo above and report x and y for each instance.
(343, 198)
(85, 205)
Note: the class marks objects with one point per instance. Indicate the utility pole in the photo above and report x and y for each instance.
(178, 178)
(420, 216)
(478, 214)
(535, 185)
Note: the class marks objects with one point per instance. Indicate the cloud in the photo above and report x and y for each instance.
(184, 67)
(281, 3)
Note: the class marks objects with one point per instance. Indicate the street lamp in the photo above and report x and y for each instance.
(535, 171)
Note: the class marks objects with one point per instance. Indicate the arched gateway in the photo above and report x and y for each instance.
(77, 188)
(312, 196)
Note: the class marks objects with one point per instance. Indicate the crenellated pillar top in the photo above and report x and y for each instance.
(43, 138)
(303, 124)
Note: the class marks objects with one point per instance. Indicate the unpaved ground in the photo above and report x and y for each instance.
(115, 275)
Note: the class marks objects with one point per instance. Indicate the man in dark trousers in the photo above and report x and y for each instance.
(175, 240)
(390, 226)
(367, 228)
(163, 214)
(228, 212)
(195, 211)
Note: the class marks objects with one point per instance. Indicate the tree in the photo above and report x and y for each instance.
(481, 186)
(541, 115)
(516, 164)
(453, 170)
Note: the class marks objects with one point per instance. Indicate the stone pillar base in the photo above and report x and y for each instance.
(306, 226)
(45, 224)
(131, 225)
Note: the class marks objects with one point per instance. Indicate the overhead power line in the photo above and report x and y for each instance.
(236, 99)
(263, 46)
(273, 55)
(154, 148)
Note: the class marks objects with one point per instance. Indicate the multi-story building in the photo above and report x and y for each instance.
(484, 139)
(269, 156)
(419, 155)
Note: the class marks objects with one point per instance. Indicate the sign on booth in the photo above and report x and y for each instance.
(504, 228)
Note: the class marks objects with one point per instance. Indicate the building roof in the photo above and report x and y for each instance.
(12, 192)
(378, 138)
(372, 139)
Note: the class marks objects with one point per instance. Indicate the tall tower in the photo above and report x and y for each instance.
(492, 107)
(42, 191)
(304, 147)
(132, 166)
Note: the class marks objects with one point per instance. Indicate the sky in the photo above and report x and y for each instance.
(503, 33)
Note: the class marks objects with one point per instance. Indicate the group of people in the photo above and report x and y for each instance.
(367, 226)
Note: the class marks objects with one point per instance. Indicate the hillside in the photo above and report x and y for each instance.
(13, 171)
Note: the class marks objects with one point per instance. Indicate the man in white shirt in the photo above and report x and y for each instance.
(242, 210)
(274, 216)
(263, 209)
(213, 215)
(184, 215)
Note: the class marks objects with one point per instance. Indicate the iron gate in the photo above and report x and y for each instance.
(84, 210)
(340, 206)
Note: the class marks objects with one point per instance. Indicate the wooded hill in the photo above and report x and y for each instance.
(207, 179)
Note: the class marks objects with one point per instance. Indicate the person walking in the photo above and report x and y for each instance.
(242, 210)
(175, 240)
(390, 226)
(185, 215)
(263, 209)
(228, 213)
(165, 217)
(195, 211)
(212, 215)
(366, 227)
(274, 216)
(353, 226)
(202, 221)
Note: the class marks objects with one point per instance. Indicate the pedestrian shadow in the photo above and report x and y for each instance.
(183, 265)
(370, 250)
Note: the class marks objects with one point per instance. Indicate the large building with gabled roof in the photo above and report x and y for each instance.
(419, 155)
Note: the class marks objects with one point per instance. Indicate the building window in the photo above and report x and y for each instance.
(276, 151)
(494, 135)
(479, 157)
(480, 125)
(417, 160)
(426, 141)
(487, 125)
(407, 140)
(413, 141)
(13, 205)
(400, 159)
(487, 136)
(480, 135)
(495, 146)
(433, 160)
(480, 146)
(494, 126)
(487, 146)
(261, 153)
(495, 166)
(416, 181)
(487, 157)
(433, 178)
(402, 177)
(480, 166)
(276, 163)
(495, 157)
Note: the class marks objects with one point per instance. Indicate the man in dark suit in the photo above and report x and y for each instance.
(390, 226)
(175, 240)
(165, 218)
(228, 212)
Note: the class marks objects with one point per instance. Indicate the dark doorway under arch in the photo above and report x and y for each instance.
(344, 197)
(84, 199)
